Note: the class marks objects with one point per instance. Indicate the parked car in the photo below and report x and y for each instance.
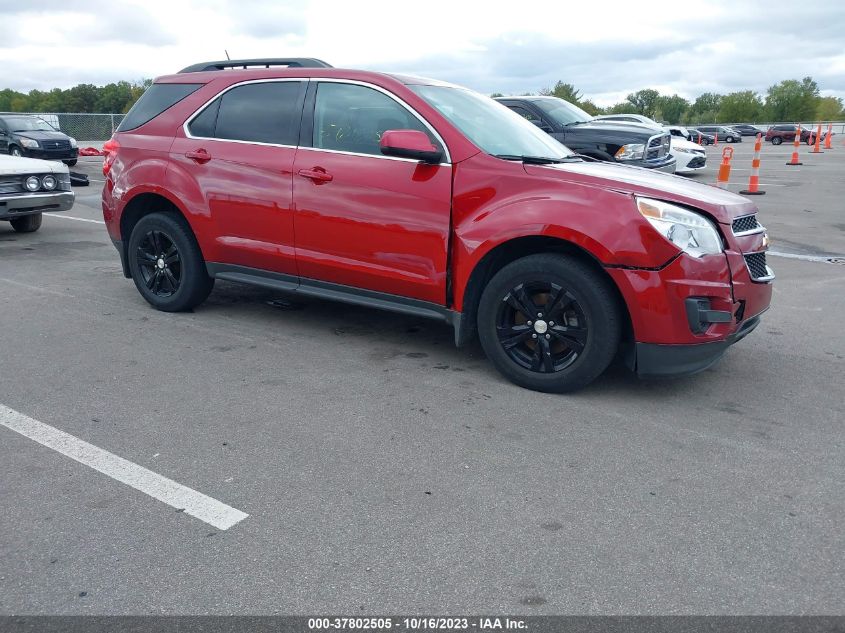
(747, 130)
(603, 140)
(30, 187)
(778, 134)
(689, 157)
(630, 118)
(429, 199)
(722, 132)
(706, 139)
(33, 137)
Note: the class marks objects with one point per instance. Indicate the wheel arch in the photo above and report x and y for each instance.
(511, 250)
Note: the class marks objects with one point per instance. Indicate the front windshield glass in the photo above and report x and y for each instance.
(490, 125)
(29, 124)
(562, 112)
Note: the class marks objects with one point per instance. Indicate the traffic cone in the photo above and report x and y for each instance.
(699, 138)
(795, 143)
(716, 138)
(725, 168)
(754, 179)
(816, 148)
(827, 144)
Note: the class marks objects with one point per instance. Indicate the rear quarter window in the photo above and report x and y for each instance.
(157, 99)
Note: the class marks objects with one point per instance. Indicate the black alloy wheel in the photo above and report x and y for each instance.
(541, 326)
(160, 263)
(166, 263)
(550, 322)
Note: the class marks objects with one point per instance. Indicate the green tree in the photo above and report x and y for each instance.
(672, 108)
(705, 107)
(625, 107)
(830, 109)
(737, 107)
(644, 101)
(792, 100)
(564, 91)
(590, 108)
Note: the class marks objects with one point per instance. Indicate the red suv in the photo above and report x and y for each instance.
(778, 134)
(429, 199)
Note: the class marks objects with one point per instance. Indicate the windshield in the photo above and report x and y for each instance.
(490, 125)
(562, 112)
(29, 124)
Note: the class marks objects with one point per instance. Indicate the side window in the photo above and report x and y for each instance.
(265, 112)
(526, 114)
(352, 118)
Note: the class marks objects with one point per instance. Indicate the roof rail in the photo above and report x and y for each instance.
(292, 62)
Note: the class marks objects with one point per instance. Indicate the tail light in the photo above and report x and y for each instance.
(110, 148)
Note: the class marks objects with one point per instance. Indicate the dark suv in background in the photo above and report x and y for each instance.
(33, 137)
(610, 141)
(722, 132)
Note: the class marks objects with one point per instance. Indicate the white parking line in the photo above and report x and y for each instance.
(830, 259)
(185, 499)
(70, 217)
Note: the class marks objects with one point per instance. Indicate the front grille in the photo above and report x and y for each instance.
(756, 263)
(15, 184)
(658, 146)
(745, 224)
(54, 146)
(10, 185)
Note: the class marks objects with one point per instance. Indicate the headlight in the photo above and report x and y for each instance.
(28, 142)
(72, 142)
(632, 151)
(691, 232)
(32, 183)
(49, 183)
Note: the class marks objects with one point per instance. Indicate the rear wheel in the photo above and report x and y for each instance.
(549, 323)
(776, 140)
(27, 224)
(166, 263)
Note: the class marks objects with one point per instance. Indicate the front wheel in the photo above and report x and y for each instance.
(14, 150)
(729, 139)
(166, 263)
(27, 223)
(549, 322)
(71, 162)
(777, 140)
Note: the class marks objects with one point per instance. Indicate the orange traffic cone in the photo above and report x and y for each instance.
(795, 143)
(754, 179)
(716, 138)
(816, 148)
(699, 138)
(725, 168)
(827, 144)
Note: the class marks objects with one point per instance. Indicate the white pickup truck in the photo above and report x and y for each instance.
(30, 187)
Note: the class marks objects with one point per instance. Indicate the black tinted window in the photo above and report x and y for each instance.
(525, 114)
(153, 102)
(204, 124)
(352, 118)
(266, 112)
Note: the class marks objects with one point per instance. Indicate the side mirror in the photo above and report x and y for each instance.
(409, 144)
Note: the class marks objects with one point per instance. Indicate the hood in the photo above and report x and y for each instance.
(720, 204)
(40, 135)
(683, 144)
(17, 165)
(616, 129)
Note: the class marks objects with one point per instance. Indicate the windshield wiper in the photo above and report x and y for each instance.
(574, 123)
(537, 160)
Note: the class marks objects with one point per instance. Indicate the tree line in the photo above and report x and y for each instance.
(789, 100)
(114, 98)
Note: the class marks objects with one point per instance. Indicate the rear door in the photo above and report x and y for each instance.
(239, 151)
(365, 220)
(4, 138)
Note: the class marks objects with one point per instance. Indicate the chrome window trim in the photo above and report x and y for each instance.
(202, 108)
(413, 112)
(380, 156)
(398, 100)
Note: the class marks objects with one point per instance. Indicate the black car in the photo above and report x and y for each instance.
(610, 141)
(706, 139)
(747, 130)
(723, 132)
(33, 137)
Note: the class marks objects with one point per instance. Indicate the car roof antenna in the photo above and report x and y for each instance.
(227, 54)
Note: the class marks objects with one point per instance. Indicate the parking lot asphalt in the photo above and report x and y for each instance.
(385, 471)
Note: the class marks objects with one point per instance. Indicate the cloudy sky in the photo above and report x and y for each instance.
(607, 48)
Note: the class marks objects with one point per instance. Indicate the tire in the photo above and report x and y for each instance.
(166, 263)
(27, 223)
(70, 163)
(729, 139)
(776, 140)
(546, 356)
(14, 150)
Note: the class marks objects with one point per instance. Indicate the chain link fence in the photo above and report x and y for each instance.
(86, 128)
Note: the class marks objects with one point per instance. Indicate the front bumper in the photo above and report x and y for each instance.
(665, 164)
(652, 360)
(49, 154)
(689, 162)
(16, 205)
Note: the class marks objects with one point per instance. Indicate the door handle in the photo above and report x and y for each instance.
(317, 174)
(200, 156)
